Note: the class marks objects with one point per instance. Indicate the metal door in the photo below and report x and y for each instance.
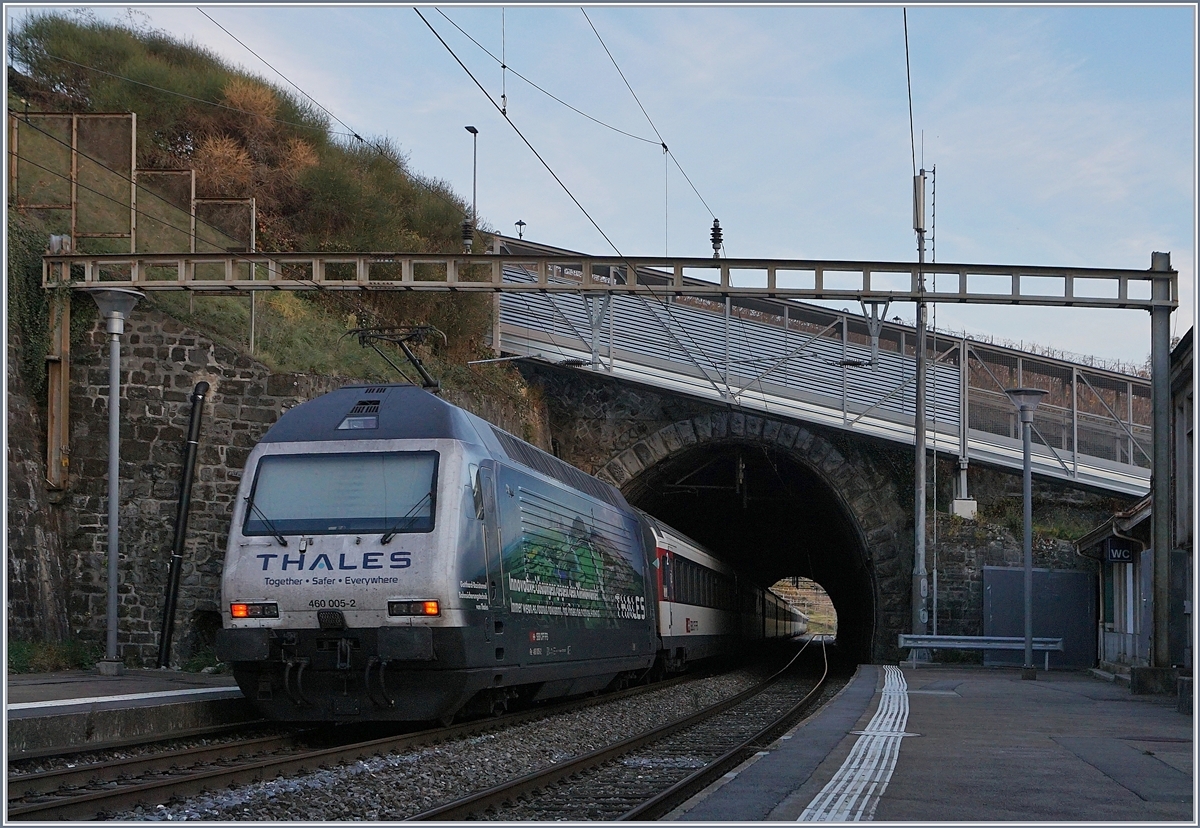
(1064, 606)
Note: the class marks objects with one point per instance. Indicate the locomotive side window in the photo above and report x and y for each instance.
(322, 494)
(476, 490)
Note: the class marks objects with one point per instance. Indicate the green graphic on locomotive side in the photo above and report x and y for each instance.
(571, 558)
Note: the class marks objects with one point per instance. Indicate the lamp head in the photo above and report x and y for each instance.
(472, 130)
(1026, 400)
(115, 305)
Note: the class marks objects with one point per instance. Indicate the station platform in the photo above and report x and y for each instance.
(941, 743)
(54, 712)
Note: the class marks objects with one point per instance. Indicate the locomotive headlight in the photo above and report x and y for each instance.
(262, 610)
(414, 608)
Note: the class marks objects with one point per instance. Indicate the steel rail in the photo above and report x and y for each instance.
(183, 783)
(114, 744)
(687, 787)
(21, 786)
(461, 809)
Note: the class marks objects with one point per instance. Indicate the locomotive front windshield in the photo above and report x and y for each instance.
(329, 494)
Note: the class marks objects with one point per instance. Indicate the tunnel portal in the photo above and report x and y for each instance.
(771, 516)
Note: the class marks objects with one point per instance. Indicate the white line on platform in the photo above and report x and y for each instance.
(126, 697)
(853, 793)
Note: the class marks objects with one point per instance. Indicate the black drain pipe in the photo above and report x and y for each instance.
(181, 520)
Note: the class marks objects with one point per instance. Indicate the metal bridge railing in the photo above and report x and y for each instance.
(740, 335)
(810, 363)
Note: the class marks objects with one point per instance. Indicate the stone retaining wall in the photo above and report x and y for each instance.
(162, 360)
(37, 574)
(963, 548)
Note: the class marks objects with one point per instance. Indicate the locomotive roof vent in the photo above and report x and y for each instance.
(376, 390)
(366, 406)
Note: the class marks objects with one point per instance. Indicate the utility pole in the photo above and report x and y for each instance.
(920, 582)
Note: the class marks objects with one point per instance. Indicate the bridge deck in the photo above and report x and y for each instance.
(810, 364)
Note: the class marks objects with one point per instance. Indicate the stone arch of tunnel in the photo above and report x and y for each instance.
(776, 501)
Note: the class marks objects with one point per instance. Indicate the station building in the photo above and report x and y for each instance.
(1122, 545)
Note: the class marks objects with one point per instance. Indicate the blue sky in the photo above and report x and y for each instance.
(1061, 135)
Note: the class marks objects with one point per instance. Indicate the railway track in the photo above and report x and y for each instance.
(101, 788)
(645, 776)
(28, 756)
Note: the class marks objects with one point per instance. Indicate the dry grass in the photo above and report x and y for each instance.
(298, 156)
(223, 168)
(251, 97)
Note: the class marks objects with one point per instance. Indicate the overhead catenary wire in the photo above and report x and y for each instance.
(666, 305)
(184, 95)
(548, 94)
(338, 297)
(352, 132)
(124, 179)
(647, 114)
(520, 134)
(908, 75)
(335, 295)
(502, 61)
(649, 120)
(293, 84)
(160, 219)
(503, 64)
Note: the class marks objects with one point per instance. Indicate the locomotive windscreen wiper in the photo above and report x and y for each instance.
(391, 533)
(270, 526)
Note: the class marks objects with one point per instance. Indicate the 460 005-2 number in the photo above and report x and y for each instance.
(332, 603)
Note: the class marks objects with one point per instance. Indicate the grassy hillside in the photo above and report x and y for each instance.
(316, 188)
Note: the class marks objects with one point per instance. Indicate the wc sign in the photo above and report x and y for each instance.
(1119, 550)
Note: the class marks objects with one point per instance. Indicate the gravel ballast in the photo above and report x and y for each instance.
(399, 785)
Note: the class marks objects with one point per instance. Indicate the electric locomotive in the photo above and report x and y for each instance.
(394, 557)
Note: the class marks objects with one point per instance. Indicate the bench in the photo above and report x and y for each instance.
(979, 642)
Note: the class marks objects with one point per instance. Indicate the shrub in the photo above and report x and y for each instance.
(52, 656)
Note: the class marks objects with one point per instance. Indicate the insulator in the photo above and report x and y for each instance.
(716, 239)
(468, 234)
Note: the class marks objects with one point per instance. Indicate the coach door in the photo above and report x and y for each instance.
(493, 546)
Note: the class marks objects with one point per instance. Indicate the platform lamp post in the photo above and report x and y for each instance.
(115, 306)
(1026, 400)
